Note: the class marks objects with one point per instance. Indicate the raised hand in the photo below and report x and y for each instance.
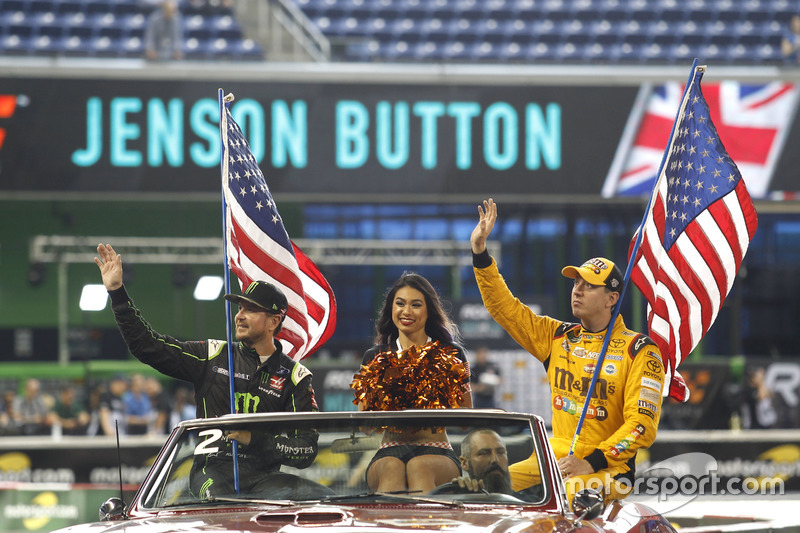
(110, 263)
(488, 216)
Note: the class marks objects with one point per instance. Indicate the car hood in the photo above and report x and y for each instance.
(343, 519)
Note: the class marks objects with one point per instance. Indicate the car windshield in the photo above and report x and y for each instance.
(331, 457)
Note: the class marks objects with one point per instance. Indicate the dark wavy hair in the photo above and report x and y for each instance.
(439, 326)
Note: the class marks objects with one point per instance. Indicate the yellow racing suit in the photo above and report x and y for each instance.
(625, 406)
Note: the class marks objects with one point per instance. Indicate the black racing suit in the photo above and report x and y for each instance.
(280, 384)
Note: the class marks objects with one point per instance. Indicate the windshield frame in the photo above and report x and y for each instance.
(552, 497)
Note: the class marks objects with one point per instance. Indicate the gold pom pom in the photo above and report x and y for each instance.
(423, 377)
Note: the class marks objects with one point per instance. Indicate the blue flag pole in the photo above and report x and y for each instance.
(223, 135)
(626, 278)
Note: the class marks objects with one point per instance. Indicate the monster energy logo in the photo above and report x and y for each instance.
(246, 402)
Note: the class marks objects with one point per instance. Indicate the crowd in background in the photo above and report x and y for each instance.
(136, 404)
(146, 405)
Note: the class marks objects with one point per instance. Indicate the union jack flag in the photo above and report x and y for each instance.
(754, 120)
(699, 223)
(259, 248)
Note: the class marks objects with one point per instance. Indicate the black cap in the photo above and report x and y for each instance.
(264, 295)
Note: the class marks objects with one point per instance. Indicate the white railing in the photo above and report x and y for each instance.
(283, 28)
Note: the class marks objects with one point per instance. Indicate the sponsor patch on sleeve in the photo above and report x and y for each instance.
(649, 406)
(649, 395)
(299, 372)
(651, 353)
(651, 383)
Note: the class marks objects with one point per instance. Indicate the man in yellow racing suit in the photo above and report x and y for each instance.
(625, 405)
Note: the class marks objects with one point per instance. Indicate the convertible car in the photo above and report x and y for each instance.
(295, 471)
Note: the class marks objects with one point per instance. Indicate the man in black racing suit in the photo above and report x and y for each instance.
(265, 379)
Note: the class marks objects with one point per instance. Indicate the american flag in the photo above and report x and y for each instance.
(259, 248)
(755, 120)
(696, 232)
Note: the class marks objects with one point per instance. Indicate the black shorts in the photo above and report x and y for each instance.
(406, 452)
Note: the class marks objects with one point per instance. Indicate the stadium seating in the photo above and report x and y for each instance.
(555, 31)
(524, 31)
(114, 29)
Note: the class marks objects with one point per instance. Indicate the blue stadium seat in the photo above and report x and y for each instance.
(683, 53)
(444, 11)
(45, 45)
(125, 7)
(673, 14)
(731, 14)
(82, 31)
(692, 39)
(594, 52)
(68, 6)
(225, 26)
(104, 47)
(769, 54)
(107, 25)
(455, 51)
(711, 52)
(546, 32)
(75, 46)
(15, 45)
(626, 53)
(49, 24)
(97, 7)
(604, 31)
(492, 31)
(353, 27)
(132, 46)
(657, 53)
(406, 29)
(379, 29)
(193, 49)
(573, 31)
(7, 6)
(424, 52)
(386, 9)
(247, 50)
(462, 29)
(19, 24)
(568, 52)
(618, 13)
(643, 15)
(135, 23)
(40, 6)
(519, 31)
(512, 52)
(362, 51)
(434, 30)
(540, 52)
(758, 14)
(702, 14)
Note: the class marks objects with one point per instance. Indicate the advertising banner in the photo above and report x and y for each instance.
(325, 138)
(352, 139)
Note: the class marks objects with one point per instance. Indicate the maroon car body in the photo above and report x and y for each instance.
(329, 494)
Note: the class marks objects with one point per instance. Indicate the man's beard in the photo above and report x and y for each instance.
(496, 480)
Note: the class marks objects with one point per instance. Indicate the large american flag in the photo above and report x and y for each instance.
(754, 119)
(699, 223)
(259, 248)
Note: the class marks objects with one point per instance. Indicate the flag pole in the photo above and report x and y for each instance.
(632, 260)
(223, 136)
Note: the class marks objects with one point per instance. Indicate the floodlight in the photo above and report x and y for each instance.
(208, 288)
(93, 297)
